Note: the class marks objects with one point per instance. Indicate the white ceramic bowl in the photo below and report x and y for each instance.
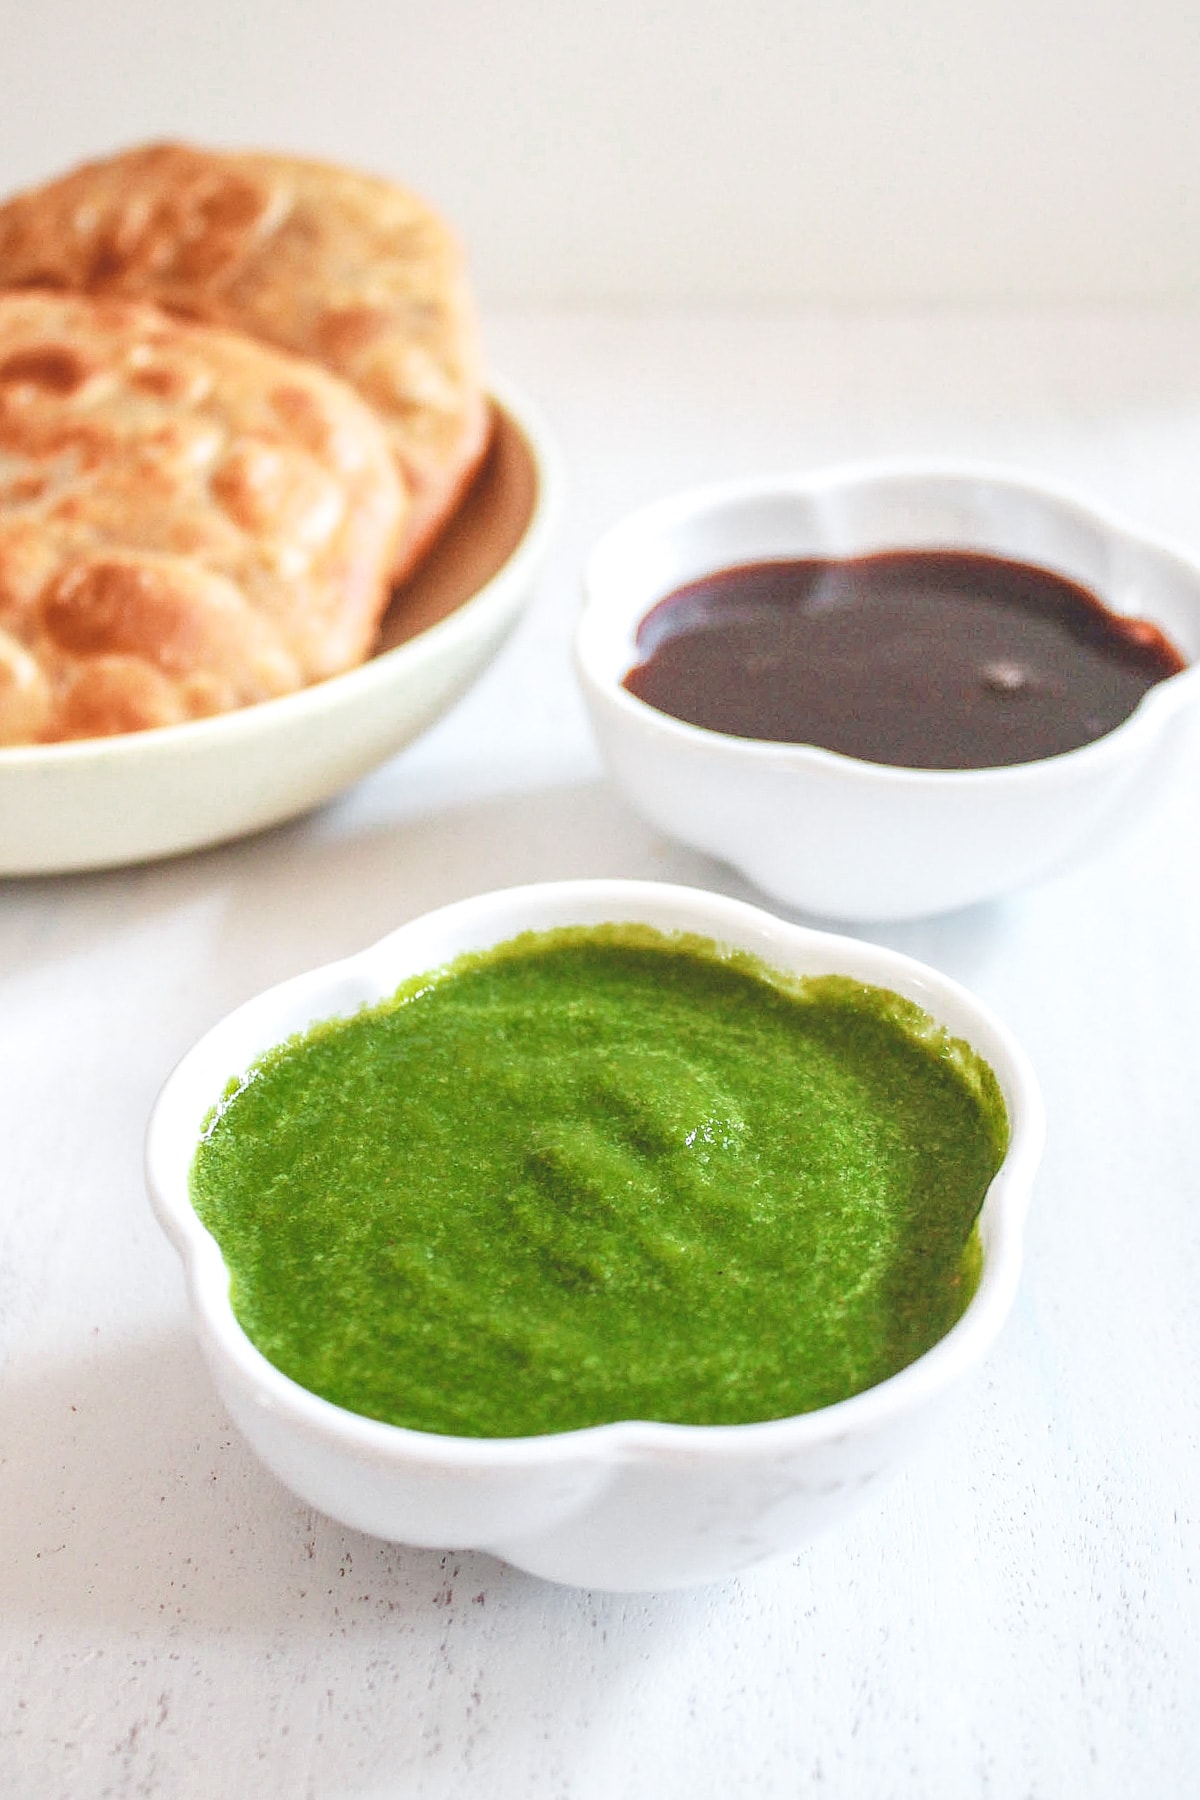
(147, 794)
(633, 1505)
(856, 840)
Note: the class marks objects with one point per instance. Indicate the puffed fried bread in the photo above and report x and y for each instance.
(325, 262)
(189, 520)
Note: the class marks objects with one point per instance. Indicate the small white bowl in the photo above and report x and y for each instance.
(633, 1505)
(107, 801)
(831, 834)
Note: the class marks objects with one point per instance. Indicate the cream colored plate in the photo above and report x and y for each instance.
(108, 801)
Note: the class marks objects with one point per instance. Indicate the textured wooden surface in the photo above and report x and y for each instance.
(1017, 1616)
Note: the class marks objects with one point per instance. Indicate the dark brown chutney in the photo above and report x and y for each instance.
(923, 659)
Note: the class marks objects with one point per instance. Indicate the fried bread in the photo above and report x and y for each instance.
(190, 521)
(324, 262)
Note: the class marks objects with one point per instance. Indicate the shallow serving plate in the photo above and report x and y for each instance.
(107, 801)
(629, 1505)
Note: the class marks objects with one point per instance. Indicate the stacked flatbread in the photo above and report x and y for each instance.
(239, 396)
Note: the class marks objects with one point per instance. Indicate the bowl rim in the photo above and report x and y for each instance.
(512, 910)
(1151, 712)
(321, 697)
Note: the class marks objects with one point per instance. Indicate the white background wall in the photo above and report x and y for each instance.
(846, 151)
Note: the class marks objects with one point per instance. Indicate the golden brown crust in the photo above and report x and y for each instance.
(189, 521)
(325, 262)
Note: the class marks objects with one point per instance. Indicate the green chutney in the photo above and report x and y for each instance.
(603, 1173)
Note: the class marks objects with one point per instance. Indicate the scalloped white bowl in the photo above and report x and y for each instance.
(831, 834)
(631, 1505)
(103, 802)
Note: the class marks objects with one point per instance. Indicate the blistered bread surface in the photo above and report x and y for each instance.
(325, 262)
(189, 521)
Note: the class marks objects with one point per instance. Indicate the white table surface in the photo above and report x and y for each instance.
(1016, 1615)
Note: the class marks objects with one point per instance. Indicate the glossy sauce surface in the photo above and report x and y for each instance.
(600, 1174)
(924, 659)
